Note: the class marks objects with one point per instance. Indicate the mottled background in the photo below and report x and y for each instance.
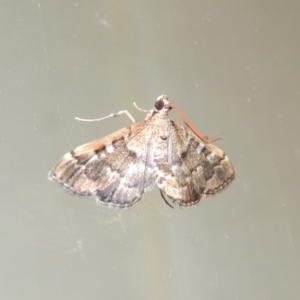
(231, 66)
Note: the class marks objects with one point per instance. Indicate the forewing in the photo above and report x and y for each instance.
(198, 168)
(112, 168)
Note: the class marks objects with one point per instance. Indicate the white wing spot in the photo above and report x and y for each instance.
(211, 157)
(109, 148)
(200, 147)
(94, 157)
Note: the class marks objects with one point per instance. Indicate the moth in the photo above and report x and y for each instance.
(119, 168)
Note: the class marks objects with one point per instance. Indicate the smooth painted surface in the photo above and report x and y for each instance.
(231, 67)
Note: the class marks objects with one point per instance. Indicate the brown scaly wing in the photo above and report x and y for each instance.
(112, 168)
(198, 167)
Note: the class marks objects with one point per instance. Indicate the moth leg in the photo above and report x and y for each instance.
(113, 115)
(140, 109)
(163, 196)
(166, 182)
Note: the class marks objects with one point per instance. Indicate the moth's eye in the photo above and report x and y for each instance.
(159, 105)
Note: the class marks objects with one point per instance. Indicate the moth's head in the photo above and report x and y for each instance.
(162, 104)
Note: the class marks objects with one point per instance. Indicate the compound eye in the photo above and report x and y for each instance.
(159, 105)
